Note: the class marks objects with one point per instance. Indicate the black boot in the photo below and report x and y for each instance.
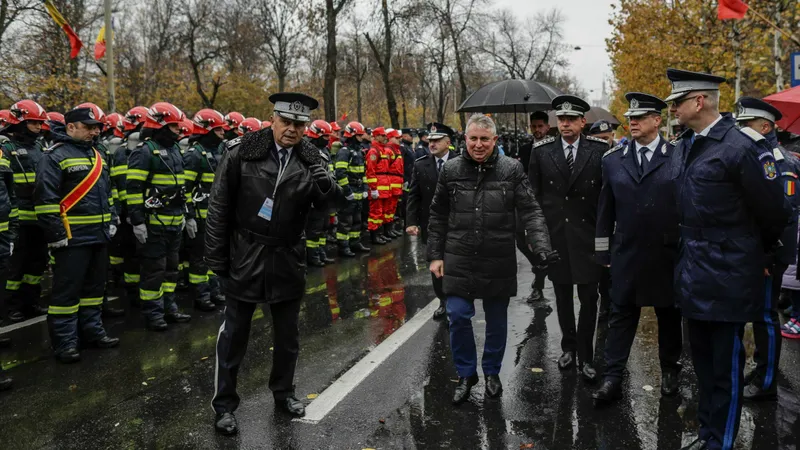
(204, 304)
(344, 249)
(323, 256)
(463, 389)
(609, 392)
(385, 233)
(312, 258)
(397, 229)
(376, 238)
(357, 246)
(177, 317)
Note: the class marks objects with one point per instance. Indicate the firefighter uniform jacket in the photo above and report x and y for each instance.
(200, 164)
(396, 168)
(23, 160)
(119, 170)
(350, 172)
(108, 159)
(9, 212)
(63, 167)
(154, 182)
(378, 170)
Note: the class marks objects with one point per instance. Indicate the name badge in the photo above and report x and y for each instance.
(266, 209)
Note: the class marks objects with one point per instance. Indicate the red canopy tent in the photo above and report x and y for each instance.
(788, 103)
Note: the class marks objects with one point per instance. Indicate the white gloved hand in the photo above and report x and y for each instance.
(350, 197)
(58, 244)
(112, 230)
(128, 220)
(374, 194)
(405, 185)
(10, 249)
(140, 231)
(191, 228)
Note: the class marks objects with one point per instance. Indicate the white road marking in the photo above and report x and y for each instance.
(34, 321)
(340, 388)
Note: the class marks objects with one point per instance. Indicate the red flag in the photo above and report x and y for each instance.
(343, 118)
(100, 44)
(75, 43)
(731, 9)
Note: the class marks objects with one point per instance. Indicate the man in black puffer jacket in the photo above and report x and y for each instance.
(263, 190)
(471, 243)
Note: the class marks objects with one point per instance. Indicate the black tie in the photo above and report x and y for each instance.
(441, 163)
(570, 159)
(643, 162)
(282, 152)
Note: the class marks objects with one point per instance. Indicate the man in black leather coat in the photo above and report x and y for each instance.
(262, 193)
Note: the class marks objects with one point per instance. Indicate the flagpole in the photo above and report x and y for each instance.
(776, 27)
(112, 106)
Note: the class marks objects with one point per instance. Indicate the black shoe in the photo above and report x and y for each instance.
(609, 392)
(566, 361)
(225, 423)
(344, 250)
(588, 373)
(5, 382)
(69, 356)
(312, 258)
(323, 256)
(669, 384)
(697, 444)
(536, 296)
(38, 310)
(292, 406)
(5, 342)
(359, 247)
(204, 304)
(16, 316)
(109, 312)
(376, 238)
(754, 392)
(157, 325)
(395, 234)
(218, 299)
(105, 342)
(494, 388)
(177, 317)
(463, 389)
(440, 313)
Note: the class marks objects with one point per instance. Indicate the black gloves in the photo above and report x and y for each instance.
(320, 175)
(544, 260)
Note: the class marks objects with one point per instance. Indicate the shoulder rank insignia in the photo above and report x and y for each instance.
(420, 158)
(592, 138)
(675, 142)
(613, 150)
(233, 142)
(752, 134)
(778, 154)
(664, 149)
(53, 147)
(544, 141)
(324, 155)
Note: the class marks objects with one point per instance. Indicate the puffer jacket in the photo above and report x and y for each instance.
(263, 260)
(473, 223)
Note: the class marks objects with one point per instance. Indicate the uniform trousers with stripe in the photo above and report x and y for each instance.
(28, 263)
(232, 341)
(315, 229)
(79, 281)
(158, 258)
(199, 277)
(767, 333)
(376, 213)
(350, 222)
(718, 357)
(389, 208)
(123, 247)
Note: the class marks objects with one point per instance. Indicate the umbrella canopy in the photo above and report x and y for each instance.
(788, 103)
(511, 96)
(594, 114)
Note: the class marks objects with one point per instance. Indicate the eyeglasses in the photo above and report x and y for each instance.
(677, 103)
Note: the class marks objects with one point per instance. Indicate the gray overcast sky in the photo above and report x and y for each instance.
(586, 26)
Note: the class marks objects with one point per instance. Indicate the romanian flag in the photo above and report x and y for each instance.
(344, 117)
(731, 9)
(75, 43)
(790, 188)
(100, 44)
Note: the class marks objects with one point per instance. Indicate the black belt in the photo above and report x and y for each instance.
(268, 241)
(715, 234)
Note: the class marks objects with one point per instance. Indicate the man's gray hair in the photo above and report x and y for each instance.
(482, 121)
(712, 99)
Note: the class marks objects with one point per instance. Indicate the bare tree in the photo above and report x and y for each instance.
(332, 10)
(11, 10)
(357, 63)
(281, 26)
(383, 56)
(203, 49)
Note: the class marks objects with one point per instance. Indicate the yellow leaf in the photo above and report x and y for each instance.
(537, 370)
(312, 396)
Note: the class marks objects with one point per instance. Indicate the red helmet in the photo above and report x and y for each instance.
(353, 129)
(233, 119)
(162, 114)
(187, 127)
(266, 124)
(98, 113)
(335, 126)
(318, 129)
(52, 117)
(380, 131)
(134, 117)
(249, 125)
(206, 120)
(392, 133)
(4, 115)
(114, 122)
(26, 110)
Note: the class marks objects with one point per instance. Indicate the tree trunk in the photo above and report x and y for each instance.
(331, 55)
(358, 100)
(405, 115)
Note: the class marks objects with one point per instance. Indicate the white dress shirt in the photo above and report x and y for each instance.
(565, 144)
(651, 148)
(708, 128)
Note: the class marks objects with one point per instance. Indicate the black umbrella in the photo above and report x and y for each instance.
(511, 96)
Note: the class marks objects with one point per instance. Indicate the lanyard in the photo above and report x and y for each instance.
(281, 171)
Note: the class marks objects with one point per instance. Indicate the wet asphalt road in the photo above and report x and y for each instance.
(154, 391)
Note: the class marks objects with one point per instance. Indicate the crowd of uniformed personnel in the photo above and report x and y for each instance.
(122, 199)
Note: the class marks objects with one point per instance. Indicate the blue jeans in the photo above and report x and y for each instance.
(462, 341)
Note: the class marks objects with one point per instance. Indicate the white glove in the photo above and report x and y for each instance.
(191, 228)
(140, 231)
(405, 185)
(112, 230)
(128, 220)
(374, 194)
(10, 249)
(58, 244)
(350, 197)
